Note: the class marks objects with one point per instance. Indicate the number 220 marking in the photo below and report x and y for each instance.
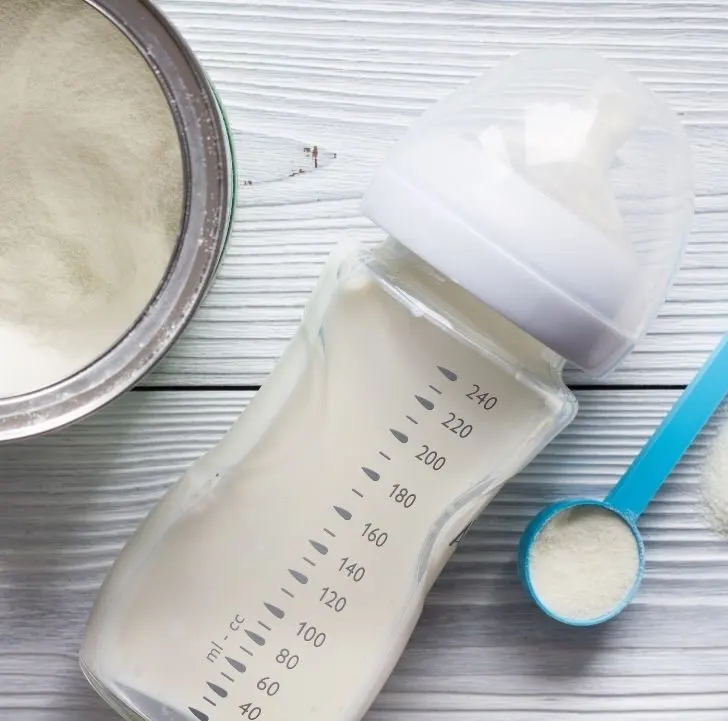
(457, 426)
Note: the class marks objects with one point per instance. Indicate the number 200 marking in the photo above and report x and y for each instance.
(430, 458)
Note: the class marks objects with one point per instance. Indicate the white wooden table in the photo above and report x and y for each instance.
(347, 76)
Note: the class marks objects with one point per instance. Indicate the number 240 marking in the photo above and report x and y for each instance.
(482, 399)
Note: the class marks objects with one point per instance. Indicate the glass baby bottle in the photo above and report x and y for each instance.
(535, 216)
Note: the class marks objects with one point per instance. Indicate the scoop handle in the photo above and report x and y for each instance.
(678, 430)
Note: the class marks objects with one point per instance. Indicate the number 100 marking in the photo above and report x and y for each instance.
(311, 634)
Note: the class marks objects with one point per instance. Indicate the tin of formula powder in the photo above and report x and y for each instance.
(209, 201)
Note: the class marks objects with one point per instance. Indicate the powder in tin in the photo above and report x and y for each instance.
(91, 189)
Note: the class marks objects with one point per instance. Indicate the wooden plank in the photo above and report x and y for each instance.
(69, 501)
(347, 78)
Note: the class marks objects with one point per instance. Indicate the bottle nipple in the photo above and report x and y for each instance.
(557, 190)
(566, 151)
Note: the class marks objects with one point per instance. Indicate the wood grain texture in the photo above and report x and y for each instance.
(348, 77)
(69, 501)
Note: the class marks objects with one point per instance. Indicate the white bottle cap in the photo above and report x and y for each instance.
(504, 187)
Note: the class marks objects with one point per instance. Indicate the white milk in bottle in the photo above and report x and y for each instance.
(282, 576)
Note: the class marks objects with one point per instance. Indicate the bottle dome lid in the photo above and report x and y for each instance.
(557, 189)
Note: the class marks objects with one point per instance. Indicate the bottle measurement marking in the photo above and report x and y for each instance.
(302, 578)
(219, 690)
(317, 638)
(450, 375)
(346, 515)
(239, 667)
(277, 612)
(256, 638)
(323, 550)
(374, 535)
(371, 473)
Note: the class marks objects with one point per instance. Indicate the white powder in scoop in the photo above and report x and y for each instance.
(715, 481)
(91, 189)
(583, 563)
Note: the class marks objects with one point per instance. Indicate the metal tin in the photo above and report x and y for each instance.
(209, 171)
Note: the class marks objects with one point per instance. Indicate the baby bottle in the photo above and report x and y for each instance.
(535, 216)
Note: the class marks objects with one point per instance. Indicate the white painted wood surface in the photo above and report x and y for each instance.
(347, 76)
(481, 651)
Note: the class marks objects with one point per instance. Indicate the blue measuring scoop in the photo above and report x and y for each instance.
(649, 470)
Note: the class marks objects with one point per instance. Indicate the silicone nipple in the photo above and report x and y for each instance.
(566, 150)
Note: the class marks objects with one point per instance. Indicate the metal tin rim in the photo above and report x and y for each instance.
(209, 201)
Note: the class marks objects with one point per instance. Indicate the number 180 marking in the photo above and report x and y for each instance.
(400, 494)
